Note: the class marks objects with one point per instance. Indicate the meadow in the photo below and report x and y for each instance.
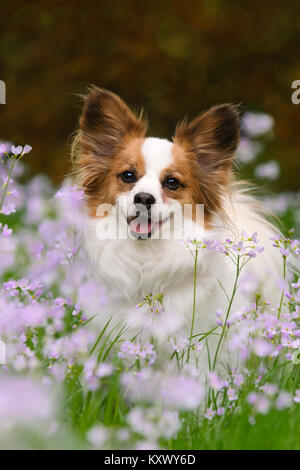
(63, 384)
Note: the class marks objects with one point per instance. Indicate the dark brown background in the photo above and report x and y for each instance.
(172, 57)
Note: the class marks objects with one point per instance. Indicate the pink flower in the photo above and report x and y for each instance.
(284, 251)
(297, 284)
(97, 436)
(261, 347)
(26, 149)
(214, 381)
(136, 351)
(256, 124)
(269, 389)
(297, 396)
(283, 401)
(6, 232)
(104, 370)
(71, 194)
(8, 208)
(16, 150)
(252, 398)
(232, 396)
(262, 405)
(238, 380)
(4, 148)
(209, 414)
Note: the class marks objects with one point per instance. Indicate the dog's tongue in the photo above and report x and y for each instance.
(141, 226)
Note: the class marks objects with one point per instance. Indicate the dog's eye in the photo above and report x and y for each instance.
(172, 183)
(128, 177)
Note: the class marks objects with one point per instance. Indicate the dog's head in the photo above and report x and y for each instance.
(148, 177)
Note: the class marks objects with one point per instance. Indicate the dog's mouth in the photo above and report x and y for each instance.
(143, 227)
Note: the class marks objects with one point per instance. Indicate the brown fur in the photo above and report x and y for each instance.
(204, 150)
(194, 189)
(109, 142)
(110, 186)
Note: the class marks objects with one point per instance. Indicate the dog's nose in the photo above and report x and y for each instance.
(145, 199)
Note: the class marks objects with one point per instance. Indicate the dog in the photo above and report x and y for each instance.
(118, 167)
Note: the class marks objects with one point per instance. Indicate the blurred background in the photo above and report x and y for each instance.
(173, 58)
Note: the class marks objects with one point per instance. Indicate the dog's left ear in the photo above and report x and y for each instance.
(213, 137)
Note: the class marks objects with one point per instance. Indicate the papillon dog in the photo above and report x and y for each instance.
(140, 184)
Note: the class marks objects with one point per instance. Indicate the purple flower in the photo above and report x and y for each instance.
(97, 436)
(261, 347)
(248, 150)
(154, 423)
(284, 251)
(4, 148)
(23, 402)
(269, 170)
(256, 124)
(297, 396)
(252, 398)
(8, 209)
(71, 194)
(26, 149)
(239, 247)
(104, 370)
(269, 389)
(283, 401)
(232, 396)
(214, 381)
(251, 254)
(6, 232)
(209, 414)
(91, 297)
(220, 318)
(16, 150)
(262, 405)
(181, 392)
(180, 344)
(44, 310)
(238, 380)
(136, 351)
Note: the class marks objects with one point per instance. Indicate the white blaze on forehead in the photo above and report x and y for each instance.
(157, 154)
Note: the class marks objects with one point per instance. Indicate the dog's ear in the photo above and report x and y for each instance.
(105, 121)
(213, 137)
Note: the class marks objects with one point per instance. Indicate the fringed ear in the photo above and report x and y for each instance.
(105, 121)
(213, 137)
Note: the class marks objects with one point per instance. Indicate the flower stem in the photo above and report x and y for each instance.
(282, 295)
(238, 270)
(194, 306)
(13, 164)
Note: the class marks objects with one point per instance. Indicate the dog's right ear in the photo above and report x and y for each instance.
(105, 121)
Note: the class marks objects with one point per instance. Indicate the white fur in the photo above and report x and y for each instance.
(157, 154)
(131, 269)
